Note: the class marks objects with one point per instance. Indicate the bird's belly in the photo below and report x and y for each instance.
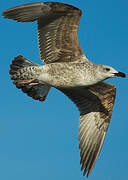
(69, 82)
(65, 80)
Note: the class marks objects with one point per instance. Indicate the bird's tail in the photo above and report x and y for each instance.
(24, 74)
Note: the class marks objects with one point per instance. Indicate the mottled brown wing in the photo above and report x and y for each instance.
(57, 29)
(95, 104)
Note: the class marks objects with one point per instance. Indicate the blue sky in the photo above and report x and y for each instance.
(40, 140)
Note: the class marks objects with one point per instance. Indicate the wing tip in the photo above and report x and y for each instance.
(53, 6)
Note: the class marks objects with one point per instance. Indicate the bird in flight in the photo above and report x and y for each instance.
(67, 69)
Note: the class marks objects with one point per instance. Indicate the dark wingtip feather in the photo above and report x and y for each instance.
(33, 11)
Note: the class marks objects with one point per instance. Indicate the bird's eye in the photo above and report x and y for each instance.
(107, 69)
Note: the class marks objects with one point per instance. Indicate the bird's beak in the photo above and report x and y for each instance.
(120, 74)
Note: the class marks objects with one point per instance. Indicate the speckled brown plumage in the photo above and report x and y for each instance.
(67, 69)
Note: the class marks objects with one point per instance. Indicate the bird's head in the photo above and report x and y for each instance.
(109, 72)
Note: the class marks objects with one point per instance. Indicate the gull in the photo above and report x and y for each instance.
(67, 69)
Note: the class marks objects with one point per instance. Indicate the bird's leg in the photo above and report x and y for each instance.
(30, 82)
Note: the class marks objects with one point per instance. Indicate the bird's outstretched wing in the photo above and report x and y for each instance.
(95, 104)
(57, 29)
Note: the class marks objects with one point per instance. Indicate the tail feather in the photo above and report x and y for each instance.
(37, 92)
(20, 62)
(30, 86)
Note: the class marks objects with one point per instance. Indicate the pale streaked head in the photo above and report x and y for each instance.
(109, 72)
